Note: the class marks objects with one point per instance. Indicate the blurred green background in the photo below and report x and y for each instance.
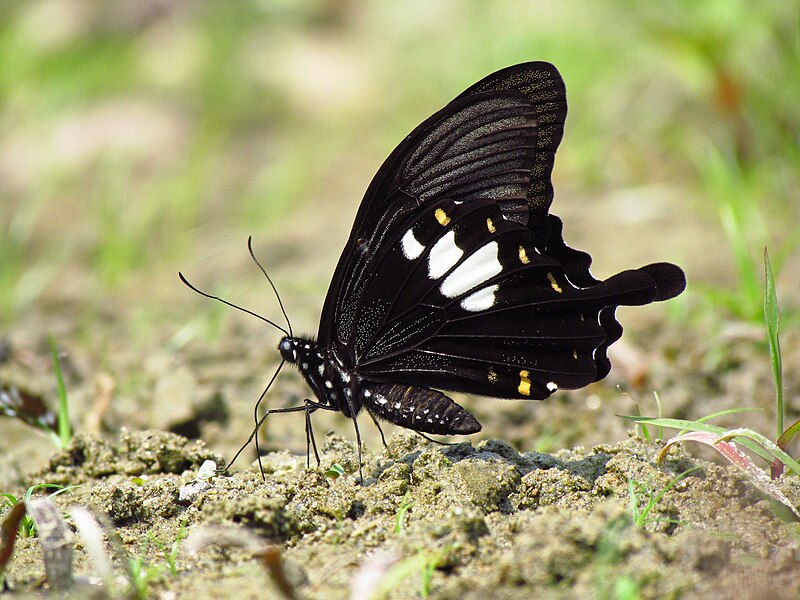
(139, 138)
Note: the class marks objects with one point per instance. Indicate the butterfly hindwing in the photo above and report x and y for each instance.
(467, 304)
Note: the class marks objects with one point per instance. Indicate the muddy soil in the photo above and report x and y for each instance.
(460, 521)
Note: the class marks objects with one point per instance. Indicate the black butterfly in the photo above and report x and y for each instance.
(455, 277)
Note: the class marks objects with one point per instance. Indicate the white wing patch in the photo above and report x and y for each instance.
(412, 249)
(444, 255)
(480, 300)
(479, 267)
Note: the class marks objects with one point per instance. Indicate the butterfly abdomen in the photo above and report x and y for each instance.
(418, 408)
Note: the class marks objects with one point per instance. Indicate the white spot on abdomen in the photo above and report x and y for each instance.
(479, 267)
(411, 247)
(480, 300)
(444, 255)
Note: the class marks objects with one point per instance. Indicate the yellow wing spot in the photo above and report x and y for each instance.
(524, 384)
(523, 256)
(575, 354)
(442, 217)
(490, 226)
(554, 284)
(492, 375)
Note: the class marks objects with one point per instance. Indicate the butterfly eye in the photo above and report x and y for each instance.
(288, 350)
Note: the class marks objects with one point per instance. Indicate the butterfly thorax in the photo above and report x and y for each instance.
(331, 382)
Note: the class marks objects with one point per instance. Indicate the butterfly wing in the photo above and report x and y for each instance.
(456, 277)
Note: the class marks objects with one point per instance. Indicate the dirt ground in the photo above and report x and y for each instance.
(509, 514)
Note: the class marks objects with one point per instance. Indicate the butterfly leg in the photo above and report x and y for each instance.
(310, 441)
(311, 406)
(430, 439)
(378, 425)
(358, 441)
(253, 434)
(353, 413)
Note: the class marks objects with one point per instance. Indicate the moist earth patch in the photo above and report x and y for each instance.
(457, 521)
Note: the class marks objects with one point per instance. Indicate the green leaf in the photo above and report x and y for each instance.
(335, 470)
(768, 444)
(729, 450)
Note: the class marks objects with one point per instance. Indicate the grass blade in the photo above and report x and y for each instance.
(789, 435)
(702, 427)
(64, 428)
(405, 505)
(727, 411)
(729, 450)
(773, 321)
(767, 443)
(786, 438)
(641, 515)
(634, 498)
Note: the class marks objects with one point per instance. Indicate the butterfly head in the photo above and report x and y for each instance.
(300, 351)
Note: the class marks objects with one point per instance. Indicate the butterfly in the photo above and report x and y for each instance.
(455, 277)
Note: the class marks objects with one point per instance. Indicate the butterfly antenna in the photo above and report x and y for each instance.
(232, 305)
(274, 289)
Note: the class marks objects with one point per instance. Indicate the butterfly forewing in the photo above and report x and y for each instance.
(541, 83)
(484, 146)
